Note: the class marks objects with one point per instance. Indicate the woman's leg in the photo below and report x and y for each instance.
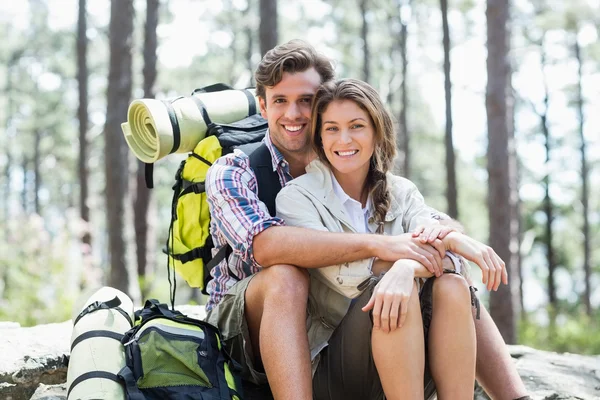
(400, 355)
(451, 341)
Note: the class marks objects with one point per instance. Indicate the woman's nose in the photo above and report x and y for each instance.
(345, 137)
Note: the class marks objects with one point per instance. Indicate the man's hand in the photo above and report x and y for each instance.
(492, 266)
(393, 248)
(390, 297)
(428, 233)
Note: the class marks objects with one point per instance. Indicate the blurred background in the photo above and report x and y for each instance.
(497, 107)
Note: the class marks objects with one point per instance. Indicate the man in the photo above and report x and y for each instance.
(262, 310)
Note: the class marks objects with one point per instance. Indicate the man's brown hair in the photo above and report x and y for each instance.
(293, 56)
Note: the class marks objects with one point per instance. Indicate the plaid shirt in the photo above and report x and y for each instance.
(237, 215)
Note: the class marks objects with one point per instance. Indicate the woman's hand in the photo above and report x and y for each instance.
(390, 297)
(492, 267)
(429, 233)
(404, 246)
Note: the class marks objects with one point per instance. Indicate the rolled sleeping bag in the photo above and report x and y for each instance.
(156, 128)
(97, 354)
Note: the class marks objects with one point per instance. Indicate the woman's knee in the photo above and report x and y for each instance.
(452, 289)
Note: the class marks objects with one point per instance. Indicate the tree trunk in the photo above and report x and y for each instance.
(451, 190)
(403, 123)
(9, 133)
(37, 179)
(500, 134)
(24, 194)
(364, 34)
(116, 152)
(268, 25)
(584, 185)
(249, 42)
(82, 115)
(143, 196)
(548, 209)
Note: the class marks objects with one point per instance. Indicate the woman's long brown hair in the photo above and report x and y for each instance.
(384, 153)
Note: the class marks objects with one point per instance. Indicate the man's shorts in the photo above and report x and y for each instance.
(346, 368)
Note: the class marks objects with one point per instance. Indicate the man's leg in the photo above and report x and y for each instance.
(451, 338)
(496, 372)
(275, 309)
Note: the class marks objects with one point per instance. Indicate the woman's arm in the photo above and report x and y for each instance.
(492, 267)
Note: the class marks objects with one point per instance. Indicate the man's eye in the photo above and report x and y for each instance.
(279, 101)
(307, 100)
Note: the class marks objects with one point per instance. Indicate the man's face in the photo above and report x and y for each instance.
(287, 109)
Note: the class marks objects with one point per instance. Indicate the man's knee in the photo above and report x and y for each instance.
(452, 289)
(286, 283)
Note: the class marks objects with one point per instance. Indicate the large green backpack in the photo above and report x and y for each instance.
(190, 245)
(171, 356)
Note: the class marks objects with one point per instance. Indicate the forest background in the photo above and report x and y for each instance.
(497, 112)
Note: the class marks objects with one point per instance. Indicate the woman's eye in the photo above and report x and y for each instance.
(331, 128)
(356, 126)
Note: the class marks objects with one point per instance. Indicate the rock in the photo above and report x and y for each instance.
(55, 392)
(31, 356)
(37, 358)
(558, 376)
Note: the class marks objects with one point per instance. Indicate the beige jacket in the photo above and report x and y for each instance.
(309, 201)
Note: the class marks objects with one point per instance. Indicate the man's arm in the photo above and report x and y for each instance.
(311, 248)
(309, 244)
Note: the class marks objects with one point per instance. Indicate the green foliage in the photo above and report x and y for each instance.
(572, 333)
(36, 286)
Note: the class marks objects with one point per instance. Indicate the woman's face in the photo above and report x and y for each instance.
(348, 137)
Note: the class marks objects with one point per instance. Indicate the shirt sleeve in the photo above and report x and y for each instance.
(416, 211)
(237, 214)
(297, 209)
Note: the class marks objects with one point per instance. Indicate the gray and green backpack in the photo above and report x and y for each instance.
(171, 356)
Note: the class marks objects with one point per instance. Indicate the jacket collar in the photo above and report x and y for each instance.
(319, 182)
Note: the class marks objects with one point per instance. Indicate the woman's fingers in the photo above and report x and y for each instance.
(491, 283)
(434, 234)
(445, 230)
(499, 266)
(395, 313)
(388, 299)
(370, 304)
(377, 311)
(418, 231)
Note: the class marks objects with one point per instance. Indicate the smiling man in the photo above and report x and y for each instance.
(259, 295)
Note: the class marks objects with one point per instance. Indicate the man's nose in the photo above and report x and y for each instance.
(293, 111)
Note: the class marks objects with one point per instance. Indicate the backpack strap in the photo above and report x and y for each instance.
(104, 305)
(267, 179)
(268, 188)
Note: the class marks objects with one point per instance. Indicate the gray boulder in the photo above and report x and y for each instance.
(34, 361)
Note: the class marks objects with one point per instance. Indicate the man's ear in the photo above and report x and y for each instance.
(263, 107)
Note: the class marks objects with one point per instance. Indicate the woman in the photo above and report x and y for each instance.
(348, 188)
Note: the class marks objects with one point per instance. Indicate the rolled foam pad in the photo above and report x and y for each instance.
(97, 354)
(150, 130)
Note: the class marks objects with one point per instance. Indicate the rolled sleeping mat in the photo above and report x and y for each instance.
(156, 128)
(97, 354)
